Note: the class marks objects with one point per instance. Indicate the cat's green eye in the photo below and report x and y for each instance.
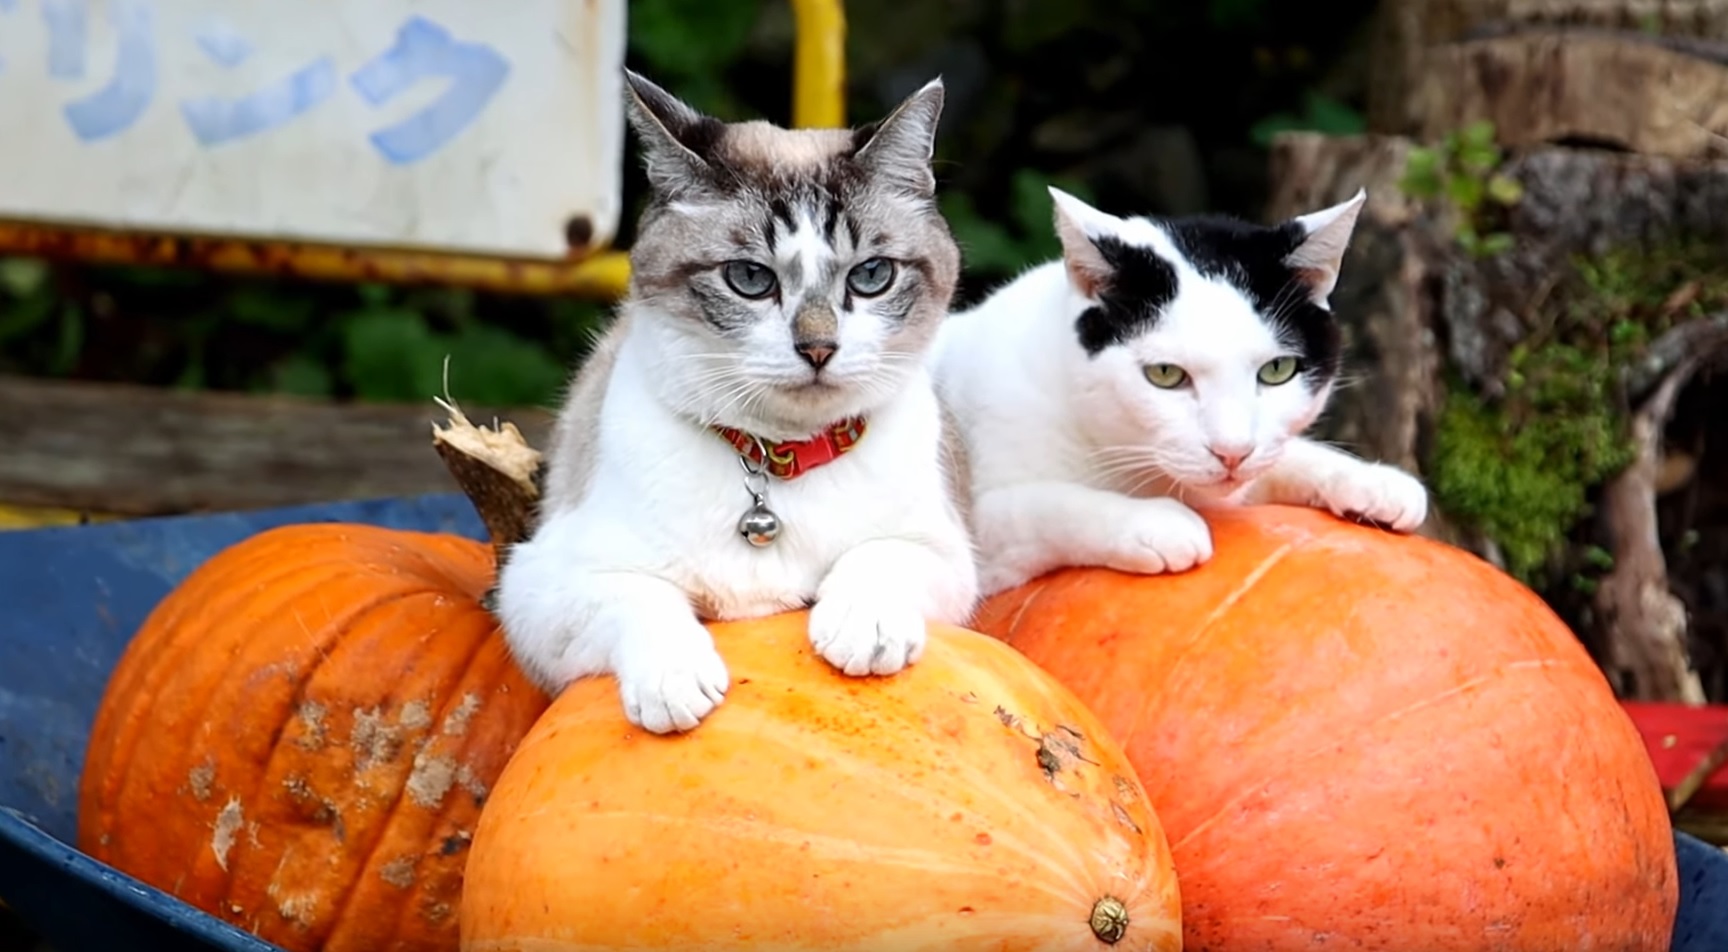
(1279, 370)
(1166, 376)
(749, 279)
(870, 278)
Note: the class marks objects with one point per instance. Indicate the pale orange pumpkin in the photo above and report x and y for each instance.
(301, 735)
(1358, 740)
(969, 802)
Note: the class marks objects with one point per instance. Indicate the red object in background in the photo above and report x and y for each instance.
(1679, 737)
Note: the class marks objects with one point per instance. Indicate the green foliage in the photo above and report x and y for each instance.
(993, 250)
(1519, 468)
(1320, 113)
(686, 45)
(1463, 172)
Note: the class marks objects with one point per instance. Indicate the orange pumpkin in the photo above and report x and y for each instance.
(969, 802)
(1365, 741)
(300, 736)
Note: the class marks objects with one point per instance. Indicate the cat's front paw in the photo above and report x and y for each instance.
(866, 632)
(671, 680)
(1374, 492)
(1156, 536)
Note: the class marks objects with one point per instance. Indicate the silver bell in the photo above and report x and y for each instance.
(759, 526)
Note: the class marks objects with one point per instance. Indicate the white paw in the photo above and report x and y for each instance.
(1377, 493)
(670, 680)
(1157, 536)
(866, 632)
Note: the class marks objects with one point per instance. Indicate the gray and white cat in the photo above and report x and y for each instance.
(1162, 365)
(786, 286)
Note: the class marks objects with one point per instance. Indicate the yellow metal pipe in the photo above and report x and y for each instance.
(819, 64)
(605, 274)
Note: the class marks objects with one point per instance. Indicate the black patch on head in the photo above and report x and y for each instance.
(1251, 258)
(1140, 287)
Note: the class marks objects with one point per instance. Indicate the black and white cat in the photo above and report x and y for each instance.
(1162, 365)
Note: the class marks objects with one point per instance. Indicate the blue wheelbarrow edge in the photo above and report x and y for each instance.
(77, 903)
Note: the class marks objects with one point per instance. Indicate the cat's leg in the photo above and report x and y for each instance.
(1027, 530)
(1313, 474)
(568, 613)
(872, 606)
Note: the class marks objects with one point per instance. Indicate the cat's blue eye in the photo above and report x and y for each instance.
(1279, 370)
(749, 279)
(1166, 376)
(870, 278)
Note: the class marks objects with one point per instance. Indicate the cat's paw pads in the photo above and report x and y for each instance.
(1384, 495)
(671, 682)
(1158, 537)
(866, 632)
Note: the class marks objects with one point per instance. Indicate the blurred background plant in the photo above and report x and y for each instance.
(1159, 106)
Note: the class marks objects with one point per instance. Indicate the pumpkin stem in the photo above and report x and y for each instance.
(1109, 920)
(496, 469)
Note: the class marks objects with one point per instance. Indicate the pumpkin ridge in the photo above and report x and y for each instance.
(339, 906)
(837, 756)
(170, 663)
(141, 662)
(1249, 582)
(1423, 704)
(338, 628)
(493, 670)
(279, 750)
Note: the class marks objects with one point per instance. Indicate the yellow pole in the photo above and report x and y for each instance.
(819, 64)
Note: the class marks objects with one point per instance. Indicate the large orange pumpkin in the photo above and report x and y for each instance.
(969, 802)
(1358, 740)
(301, 735)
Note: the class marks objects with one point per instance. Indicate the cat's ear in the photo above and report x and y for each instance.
(1078, 225)
(1319, 257)
(898, 148)
(675, 137)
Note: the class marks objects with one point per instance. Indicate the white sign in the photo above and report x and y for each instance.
(453, 125)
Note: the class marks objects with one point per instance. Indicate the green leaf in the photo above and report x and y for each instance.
(1421, 173)
(23, 316)
(70, 345)
(21, 277)
(685, 39)
(271, 308)
(1465, 191)
(1505, 190)
(302, 376)
(1497, 243)
(391, 355)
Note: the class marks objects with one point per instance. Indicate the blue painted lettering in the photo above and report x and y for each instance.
(214, 121)
(116, 106)
(424, 50)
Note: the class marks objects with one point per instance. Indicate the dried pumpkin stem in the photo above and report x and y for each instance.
(496, 469)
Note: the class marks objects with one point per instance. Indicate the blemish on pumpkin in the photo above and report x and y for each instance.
(201, 778)
(983, 839)
(312, 721)
(456, 843)
(399, 872)
(296, 909)
(297, 788)
(471, 782)
(1123, 787)
(227, 827)
(252, 835)
(1059, 750)
(437, 912)
(415, 715)
(431, 779)
(374, 740)
(1123, 818)
(456, 722)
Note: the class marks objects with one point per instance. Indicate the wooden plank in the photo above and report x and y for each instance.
(1679, 738)
(135, 451)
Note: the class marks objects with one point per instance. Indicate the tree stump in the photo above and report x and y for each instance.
(1541, 388)
(1639, 74)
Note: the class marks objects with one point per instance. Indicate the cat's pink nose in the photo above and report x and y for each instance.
(815, 353)
(1231, 457)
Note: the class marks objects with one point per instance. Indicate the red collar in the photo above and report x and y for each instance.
(793, 458)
